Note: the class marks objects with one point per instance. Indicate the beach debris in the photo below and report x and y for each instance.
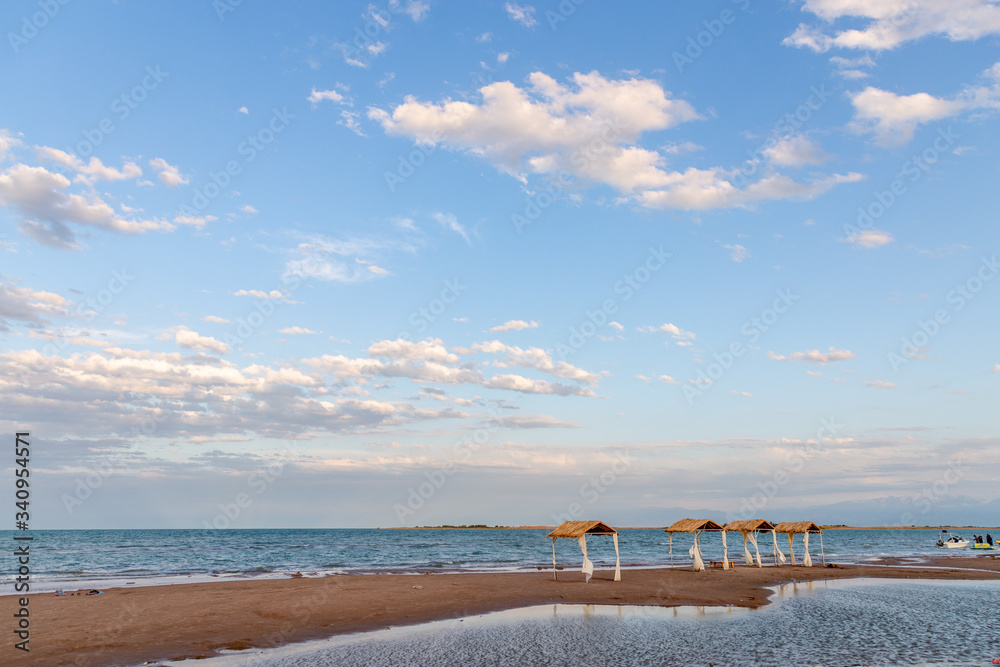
(95, 592)
(418, 587)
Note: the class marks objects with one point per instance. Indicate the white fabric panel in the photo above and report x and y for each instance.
(753, 541)
(746, 552)
(588, 567)
(695, 553)
(791, 551)
(618, 568)
(725, 552)
(806, 560)
(553, 558)
(777, 549)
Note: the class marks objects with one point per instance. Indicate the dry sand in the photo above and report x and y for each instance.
(132, 625)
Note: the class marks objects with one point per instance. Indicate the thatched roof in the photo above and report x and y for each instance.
(574, 529)
(797, 527)
(691, 525)
(750, 526)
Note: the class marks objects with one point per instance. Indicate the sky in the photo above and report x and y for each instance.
(417, 263)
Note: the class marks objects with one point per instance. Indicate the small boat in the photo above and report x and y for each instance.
(953, 541)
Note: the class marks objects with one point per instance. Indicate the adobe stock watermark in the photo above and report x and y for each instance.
(911, 345)
(697, 44)
(795, 461)
(259, 482)
(248, 150)
(32, 24)
(912, 170)
(753, 329)
(419, 495)
(424, 316)
(562, 12)
(594, 488)
(627, 286)
(924, 500)
(121, 108)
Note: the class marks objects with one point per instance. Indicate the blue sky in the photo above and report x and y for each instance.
(371, 247)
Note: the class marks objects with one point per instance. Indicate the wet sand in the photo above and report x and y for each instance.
(133, 625)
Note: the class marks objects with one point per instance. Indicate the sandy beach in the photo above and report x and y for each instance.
(133, 625)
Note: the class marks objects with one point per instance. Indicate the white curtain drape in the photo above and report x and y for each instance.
(753, 541)
(791, 550)
(725, 552)
(806, 560)
(695, 553)
(588, 567)
(553, 558)
(777, 550)
(618, 568)
(746, 552)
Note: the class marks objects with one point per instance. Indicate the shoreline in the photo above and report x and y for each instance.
(134, 625)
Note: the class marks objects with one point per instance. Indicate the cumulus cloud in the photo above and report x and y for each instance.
(296, 331)
(893, 118)
(260, 294)
(870, 238)
(889, 23)
(89, 172)
(815, 356)
(534, 357)
(50, 212)
(548, 128)
(317, 96)
(193, 340)
(27, 306)
(515, 325)
(168, 173)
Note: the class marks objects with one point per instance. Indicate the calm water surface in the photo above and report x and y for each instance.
(858, 622)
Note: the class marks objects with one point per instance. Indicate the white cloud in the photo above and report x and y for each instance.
(192, 340)
(352, 121)
(880, 384)
(894, 118)
(534, 357)
(548, 127)
(319, 258)
(317, 96)
(431, 349)
(216, 319)
(515, 325)
(524, 15)
(248, 209)
(168, 173)
(737, 252)
(28, 306)
(851, 68)
(296, 331)
(243, 110)
(415, 9)
(451, 223)
(616, 326)
(503, 57)
(869, 238)
(7, 142)
(485, 37)
(47, 210)
(668, 379)
(815, 356)
(678, 334)
(91, 171)
(796, 151)
(259, 294)
(742, 393)
(889, 23)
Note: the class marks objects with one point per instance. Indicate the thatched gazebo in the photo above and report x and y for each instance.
(791, 528)
(750, 529)
(578, 530)
(696, 526)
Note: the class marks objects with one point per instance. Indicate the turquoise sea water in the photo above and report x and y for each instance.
(105, 558)
(837, 623)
